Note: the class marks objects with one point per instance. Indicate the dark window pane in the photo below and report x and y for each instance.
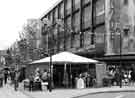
(86, 17)
(125, 2)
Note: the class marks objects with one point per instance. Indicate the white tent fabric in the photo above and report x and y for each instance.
(66, 57)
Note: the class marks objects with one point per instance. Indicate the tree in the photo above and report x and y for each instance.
(32, 35)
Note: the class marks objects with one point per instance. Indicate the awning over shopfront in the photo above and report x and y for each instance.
(117, 58)
(65, 57)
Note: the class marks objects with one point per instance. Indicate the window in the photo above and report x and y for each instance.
(100, 7)
(68, 23)
(76, 21)
(125, 2)
(61, 40)
(68, 7)
(67, 29)
(61, 11)
(100, 38)
(100, 19)
(86, 1)
(87, 38)
(86, 17)
(76, 4)
(51, 16)
(100, 11)
(76, 42)
(100, 31)
(55, 14)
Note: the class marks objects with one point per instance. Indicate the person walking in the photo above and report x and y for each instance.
(5, 76)
(31, 82)
(1, 78)
(133, 78)
(12, 76)
(16, 83)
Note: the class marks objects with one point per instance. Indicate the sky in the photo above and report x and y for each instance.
(14, 14)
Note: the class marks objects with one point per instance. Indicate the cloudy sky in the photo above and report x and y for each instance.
(13, 15)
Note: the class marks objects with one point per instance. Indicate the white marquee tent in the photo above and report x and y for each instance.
(65, 57)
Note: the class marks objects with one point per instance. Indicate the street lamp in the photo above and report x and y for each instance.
(120, 62)
(119, 31)
(46, 23)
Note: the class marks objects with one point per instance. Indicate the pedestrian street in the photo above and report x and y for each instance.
(8, 92)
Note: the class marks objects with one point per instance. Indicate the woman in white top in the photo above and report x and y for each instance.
(80, 83)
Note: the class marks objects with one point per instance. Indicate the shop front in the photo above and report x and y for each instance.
(123, 63)
(66, 76)
(67, 68)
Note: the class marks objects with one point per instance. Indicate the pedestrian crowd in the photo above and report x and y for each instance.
(38, 80)
(12, 76)
(115, 77)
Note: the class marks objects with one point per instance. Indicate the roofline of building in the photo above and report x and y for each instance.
(51, 8)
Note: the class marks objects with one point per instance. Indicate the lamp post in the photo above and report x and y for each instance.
(120, 62)
(50, 79)
(43, 54)
(49, 28)
(46, 23)
(118, 30)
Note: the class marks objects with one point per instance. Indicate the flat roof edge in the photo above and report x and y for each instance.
(50, 8)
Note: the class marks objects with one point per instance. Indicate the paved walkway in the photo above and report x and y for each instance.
(71, 93)
(8, 92)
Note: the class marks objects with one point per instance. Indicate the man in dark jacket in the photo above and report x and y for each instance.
(1, 78)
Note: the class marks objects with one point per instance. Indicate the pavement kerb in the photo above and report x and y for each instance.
(25, 93)
(104, 91)
(85, 92)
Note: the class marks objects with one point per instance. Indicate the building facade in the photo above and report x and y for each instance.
(102, 29)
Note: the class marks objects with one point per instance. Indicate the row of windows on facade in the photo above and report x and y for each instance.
(77, 40)
(76, 5)
(76, 24)
(86, 20)
(99, 9)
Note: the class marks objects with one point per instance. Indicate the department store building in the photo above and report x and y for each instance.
(98, 29)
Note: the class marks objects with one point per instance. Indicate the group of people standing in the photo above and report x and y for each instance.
(12, 75)
(127, 77)
(85, 80)
(39, 76)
